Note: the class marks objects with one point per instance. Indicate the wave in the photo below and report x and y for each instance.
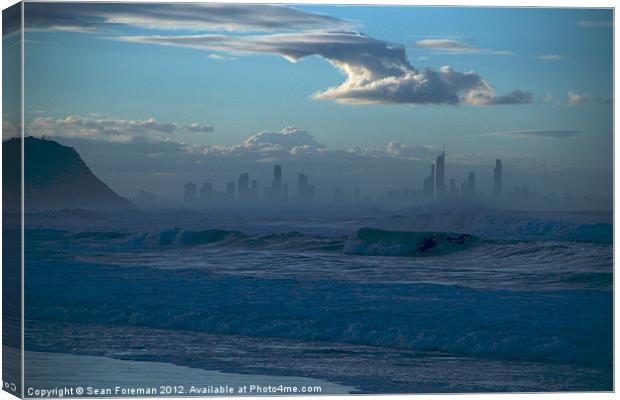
(497, 225)
(377, 242)
(183, 237)
(363, 242)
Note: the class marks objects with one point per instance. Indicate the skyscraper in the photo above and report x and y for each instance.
(429, 185)
(305, 191)
(206, 190)
(440, 176)
(471, 184)
(497, 179)
(243, 187)
(453, 191)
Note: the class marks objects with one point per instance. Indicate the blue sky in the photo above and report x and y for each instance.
(517, 76)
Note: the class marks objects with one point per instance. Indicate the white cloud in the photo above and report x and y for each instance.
(574, 98)
(550, 57)
(10, 129)
(447, 45)
(109, 129)
(289, 139)
(544, 133)
(376, 71)
(413, 152)
(195, 127)
(451, 46)
(221, 57)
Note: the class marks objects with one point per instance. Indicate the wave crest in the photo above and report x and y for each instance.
(377, 242)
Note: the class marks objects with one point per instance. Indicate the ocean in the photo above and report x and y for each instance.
(362, 302)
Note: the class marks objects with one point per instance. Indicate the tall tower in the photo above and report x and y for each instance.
(243, 187)
(429, 185)
(440, 176)
(497, 179)
(471, 184)
(305, 191)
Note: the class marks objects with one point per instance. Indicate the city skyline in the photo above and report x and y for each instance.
(432, 190)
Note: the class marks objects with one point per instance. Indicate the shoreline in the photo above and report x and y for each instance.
(47, 374)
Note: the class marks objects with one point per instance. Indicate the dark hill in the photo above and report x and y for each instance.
(55, 177)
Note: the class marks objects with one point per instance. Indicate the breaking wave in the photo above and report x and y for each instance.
(377, 242)
(363, 242)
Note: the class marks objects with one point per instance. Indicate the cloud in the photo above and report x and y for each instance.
(109, 129)
(290, 140)
(595, 24)
(92, 17)
(195, 127)
(574, 98)
(10, 129)
(221, 57)
(447, 45)
(284, 144)
(451, 46)
(514, 97)
(412, 152)
(544, 133)
(550, 57)
(377, 72)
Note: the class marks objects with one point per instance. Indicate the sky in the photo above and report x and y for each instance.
(154, 95)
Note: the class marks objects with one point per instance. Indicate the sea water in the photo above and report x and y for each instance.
(374, 304)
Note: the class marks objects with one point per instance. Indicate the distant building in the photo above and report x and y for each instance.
(429, 185)
(305, 191)
(440, 176)
(497, 179)
(471, 184)
(276, 187)
(243, 187)
(453, 190)
(340, 196)
(189, 192)
(206, 190)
